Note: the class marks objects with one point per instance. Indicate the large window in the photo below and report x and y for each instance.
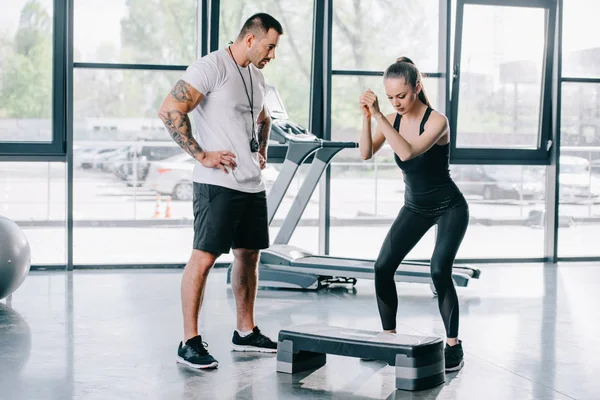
(290, 71)
(136, 32)
(506, 202)
(132, 183)
(34, 196)
(26, 81)
(506, 205)
(579, 178)
(501, 87)
(581, 42)
(370, 35)
(31, 194)
(367, 195)
(501, 83)
(132, 190)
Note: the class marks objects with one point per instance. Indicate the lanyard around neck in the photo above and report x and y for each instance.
(250, 95)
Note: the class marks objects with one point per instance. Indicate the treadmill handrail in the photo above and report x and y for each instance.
(344, 145)
(322, 159)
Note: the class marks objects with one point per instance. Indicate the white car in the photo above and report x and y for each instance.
(576, 181)
(173, 176)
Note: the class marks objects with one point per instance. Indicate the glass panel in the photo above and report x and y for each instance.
(146, 32)
(581, 39)
(306, 234)
(26, 71)
(358, 47)
(346, 116)
(579, 178)
(131, 185)
(290, 71)
(366, 196)
(505, 204)
(34, 196)
(501, 67)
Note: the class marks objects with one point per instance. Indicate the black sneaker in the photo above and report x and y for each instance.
(454, 357)
(255, 341)
(194, 354)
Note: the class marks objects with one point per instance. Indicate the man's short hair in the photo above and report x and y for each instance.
(260, 24)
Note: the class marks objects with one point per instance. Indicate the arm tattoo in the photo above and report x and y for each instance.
(180, 128)
(264, 131)
(181, 92)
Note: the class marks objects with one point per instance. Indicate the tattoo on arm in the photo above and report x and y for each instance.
(180, 128)
(264, 131)
(181, 92)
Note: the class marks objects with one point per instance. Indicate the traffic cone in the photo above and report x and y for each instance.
(157, 208)
(168, 208)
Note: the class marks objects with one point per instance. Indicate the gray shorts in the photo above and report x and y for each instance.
(225, 218)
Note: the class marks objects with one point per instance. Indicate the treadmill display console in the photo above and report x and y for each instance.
(282, 129)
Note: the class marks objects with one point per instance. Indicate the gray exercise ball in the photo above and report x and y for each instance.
(15, 257)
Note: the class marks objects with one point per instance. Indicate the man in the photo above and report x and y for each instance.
(225, 92)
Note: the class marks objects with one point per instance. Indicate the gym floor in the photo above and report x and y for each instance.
(529, 332)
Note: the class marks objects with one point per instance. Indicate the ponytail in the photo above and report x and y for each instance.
(405, 68)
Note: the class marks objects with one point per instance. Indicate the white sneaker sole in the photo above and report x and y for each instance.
(236, 347)
(197, 366)
(458, 367)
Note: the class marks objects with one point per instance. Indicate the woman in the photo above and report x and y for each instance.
(420, 139)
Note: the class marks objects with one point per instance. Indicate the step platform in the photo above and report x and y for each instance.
(418, 360)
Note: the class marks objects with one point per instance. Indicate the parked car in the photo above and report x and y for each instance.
(172, 176)
(495, 182)
(88, 158)
(115, 160)
(518, 182)
(576, 180)
(102, 161)
(142, 154)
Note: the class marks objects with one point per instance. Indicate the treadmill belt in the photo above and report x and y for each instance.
(360, 265)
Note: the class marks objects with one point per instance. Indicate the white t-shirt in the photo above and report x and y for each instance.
(223, 118)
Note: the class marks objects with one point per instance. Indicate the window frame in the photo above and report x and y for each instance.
(56, 148)
(541, 155)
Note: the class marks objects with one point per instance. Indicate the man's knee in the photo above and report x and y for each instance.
(202, 261)
(246, 258)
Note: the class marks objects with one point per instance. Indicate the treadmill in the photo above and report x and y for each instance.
(289, 267)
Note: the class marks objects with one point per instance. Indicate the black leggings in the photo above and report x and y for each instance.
(408, 228)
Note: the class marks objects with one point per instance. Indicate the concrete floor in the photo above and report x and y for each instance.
(529, 332)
